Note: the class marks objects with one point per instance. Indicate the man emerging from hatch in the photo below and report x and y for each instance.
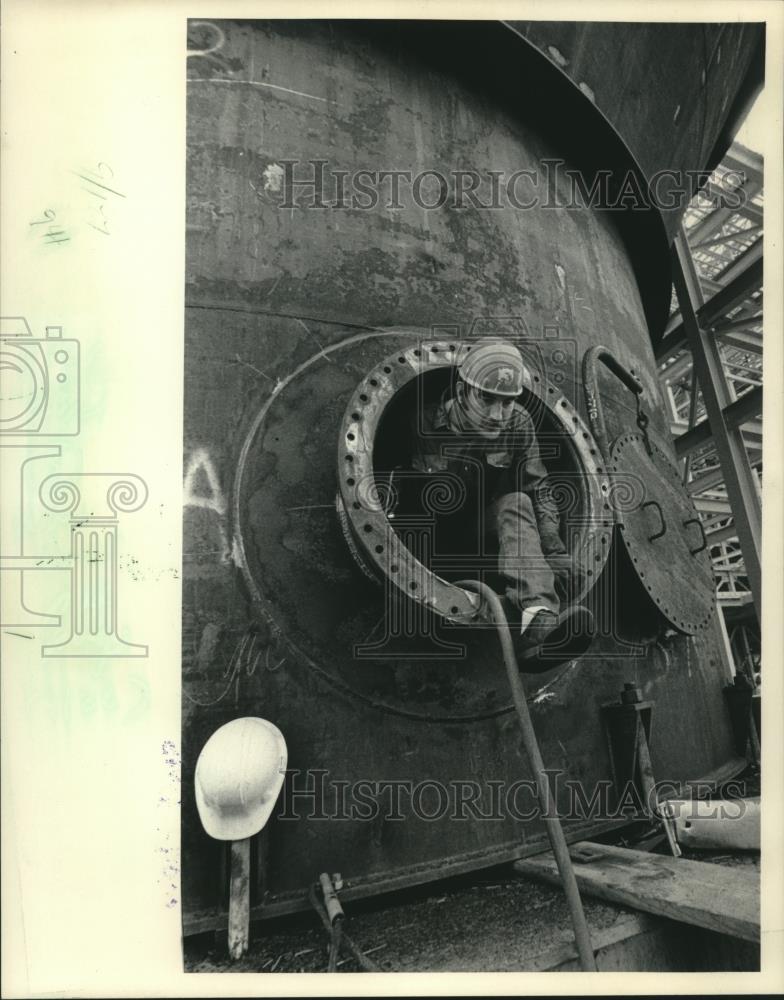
(483, 446)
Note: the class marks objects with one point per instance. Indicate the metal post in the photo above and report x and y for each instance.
(726, 645)
(693, 393)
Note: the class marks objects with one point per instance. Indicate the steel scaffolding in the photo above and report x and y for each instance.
(710, 366)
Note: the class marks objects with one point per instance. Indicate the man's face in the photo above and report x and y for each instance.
(485, 413)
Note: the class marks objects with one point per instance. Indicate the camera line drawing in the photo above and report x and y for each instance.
(41, 399)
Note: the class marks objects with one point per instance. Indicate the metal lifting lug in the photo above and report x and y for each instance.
(698, 522)
(663, 528)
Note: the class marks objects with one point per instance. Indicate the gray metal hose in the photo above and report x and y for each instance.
(549, 815)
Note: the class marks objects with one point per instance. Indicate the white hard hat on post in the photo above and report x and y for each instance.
(239, 775)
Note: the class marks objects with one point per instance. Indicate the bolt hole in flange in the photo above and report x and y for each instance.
(387, 402)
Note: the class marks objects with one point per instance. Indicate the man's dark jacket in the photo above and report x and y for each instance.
(487, 469)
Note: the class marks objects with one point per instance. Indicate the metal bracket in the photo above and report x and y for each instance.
(622, 720)
(739, 696)
(628, 727)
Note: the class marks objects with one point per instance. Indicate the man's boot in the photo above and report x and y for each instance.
(550, 639)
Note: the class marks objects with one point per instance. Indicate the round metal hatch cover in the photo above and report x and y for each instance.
(662, 534)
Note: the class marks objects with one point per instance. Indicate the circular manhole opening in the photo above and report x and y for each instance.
(424, 524)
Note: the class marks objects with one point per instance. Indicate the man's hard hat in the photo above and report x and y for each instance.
(239, 775)
(494, 366)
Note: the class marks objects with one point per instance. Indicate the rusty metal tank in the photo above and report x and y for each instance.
(321, 303)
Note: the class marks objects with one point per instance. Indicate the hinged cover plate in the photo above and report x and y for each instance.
(662, 536)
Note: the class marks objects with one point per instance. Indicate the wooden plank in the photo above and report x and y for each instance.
(626, 927)
(713, 896)
(640, 942)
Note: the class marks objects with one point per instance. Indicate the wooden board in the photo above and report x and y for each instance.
(713, 896)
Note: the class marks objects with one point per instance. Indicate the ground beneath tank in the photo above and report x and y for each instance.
(490, 921)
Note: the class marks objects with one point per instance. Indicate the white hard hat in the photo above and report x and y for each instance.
(495, 366)
(239, 775)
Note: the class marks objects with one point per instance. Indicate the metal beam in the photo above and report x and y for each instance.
(675, 322)
(714, 537)
(679, 367)
(712, 522)
(747, 407)
(742, 342)
(708, 506)
(688, 441)
(709, 286)
(735, 467)
(750, 342)
(742, 379)
(738, 288)
(721, 238)
(745, 161)
(740, 264)
(673, 402)
(741, 360)
(722, 213)
(738, 324)
(693, 404)
(744, 409)
(751, 212)
(732, 563)
(725, 299)
(733, 600)
(752, 435)
(751, 308)
(706, 481)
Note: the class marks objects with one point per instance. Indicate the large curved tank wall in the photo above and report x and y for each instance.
(692, 83)
(288, 309)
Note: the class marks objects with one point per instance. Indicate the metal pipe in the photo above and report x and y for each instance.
(365, 963)
(334, 946)
(331, 901)
(549, 813)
